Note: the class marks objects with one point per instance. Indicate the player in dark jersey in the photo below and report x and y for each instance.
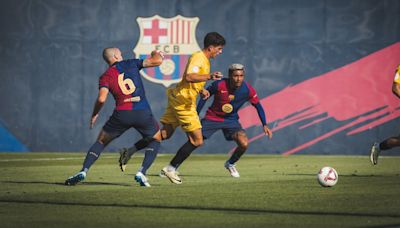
(122, 79)
(229, 96)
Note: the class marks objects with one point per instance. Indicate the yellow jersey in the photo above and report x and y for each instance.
(187, 91)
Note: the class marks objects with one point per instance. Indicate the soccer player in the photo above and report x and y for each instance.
(393, 141)
(181, 108)
(122, 79)
(229, 96)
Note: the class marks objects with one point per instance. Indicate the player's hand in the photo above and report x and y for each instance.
(157, 52)
(93, 120)
(216, 75)
(205, 94)
(267, 131)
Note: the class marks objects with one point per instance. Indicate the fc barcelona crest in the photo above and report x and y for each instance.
(176, 37)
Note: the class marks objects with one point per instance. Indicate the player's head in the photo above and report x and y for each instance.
(214, 43)
(112, 55)
(236, 75)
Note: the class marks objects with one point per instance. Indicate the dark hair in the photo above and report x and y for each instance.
(214, 39)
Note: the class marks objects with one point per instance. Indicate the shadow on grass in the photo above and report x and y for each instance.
(62, 183)
(216, 209)
(190, 175)
(343, 175)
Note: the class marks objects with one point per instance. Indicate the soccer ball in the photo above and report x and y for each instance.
(327, 176)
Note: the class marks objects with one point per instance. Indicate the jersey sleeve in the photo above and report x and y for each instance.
(397, 75)
(195, 65)
(136, 62)
(213, 88)
(104, 81)
(253, 98)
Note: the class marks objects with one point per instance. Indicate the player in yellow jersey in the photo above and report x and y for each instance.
(393, 141)
(181, 108)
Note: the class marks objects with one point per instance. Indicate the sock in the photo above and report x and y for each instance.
(132, 150)
(171, 168)
(236, 155)
(149, 156)
(183, 153)
(92, 155)
(143, 143)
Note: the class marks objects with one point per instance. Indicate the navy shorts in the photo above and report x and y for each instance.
(122, 120)
(229, 128)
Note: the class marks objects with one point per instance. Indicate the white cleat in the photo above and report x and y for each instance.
(171, 175)
(375, 151)
(142, 179)
(232, 169)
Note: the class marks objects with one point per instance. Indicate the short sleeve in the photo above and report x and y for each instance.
(253, 98)
(213, 87)
(195, 65)
(104, 81)
(135, 62)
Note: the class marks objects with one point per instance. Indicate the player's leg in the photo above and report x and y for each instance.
(92, 155)
(384, 145)
(127, 153)
(233, 131)
(190, 123)
(195, 139)
(241, 140)
(113, 128)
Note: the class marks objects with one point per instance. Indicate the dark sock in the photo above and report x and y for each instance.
(236, 155)
(183, 153)
(132, 150)
(144, 142)
(149, 156)
(92, 155)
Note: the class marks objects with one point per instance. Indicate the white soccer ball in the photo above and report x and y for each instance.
(327, 176)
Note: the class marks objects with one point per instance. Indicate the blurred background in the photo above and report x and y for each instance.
(323, 70)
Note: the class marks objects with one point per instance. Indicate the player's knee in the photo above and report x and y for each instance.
(243, 144)
(165, 135)
(197, 142)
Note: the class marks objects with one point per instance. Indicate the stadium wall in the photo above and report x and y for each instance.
(322, 69)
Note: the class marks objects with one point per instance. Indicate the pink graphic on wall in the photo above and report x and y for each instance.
(357, 96)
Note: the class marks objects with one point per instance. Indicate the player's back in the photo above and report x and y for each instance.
(125, 84)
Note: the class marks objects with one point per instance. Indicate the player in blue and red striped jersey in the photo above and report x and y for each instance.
(132, 110)
(229, 96)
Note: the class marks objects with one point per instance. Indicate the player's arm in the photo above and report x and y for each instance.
(396, 89)
(263, 119)
(101, 99)
(205, 94)
(155, 59)
(194, 77)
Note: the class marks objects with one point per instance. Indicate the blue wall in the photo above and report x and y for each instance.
(51, 61)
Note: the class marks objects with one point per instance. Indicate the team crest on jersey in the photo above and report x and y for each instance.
(176, 37)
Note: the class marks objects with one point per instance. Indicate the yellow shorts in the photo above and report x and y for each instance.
(178, 113)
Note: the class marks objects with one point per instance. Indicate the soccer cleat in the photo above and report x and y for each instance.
(123, 159)
(375, 151)
(162, 174)
(73, 180)
(142, 179)
(232, 169)
(171, 175)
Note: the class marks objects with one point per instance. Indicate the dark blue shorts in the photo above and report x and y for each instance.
(122, 120)
(229, 128)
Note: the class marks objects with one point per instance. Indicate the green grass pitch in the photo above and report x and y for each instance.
(273, 191)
